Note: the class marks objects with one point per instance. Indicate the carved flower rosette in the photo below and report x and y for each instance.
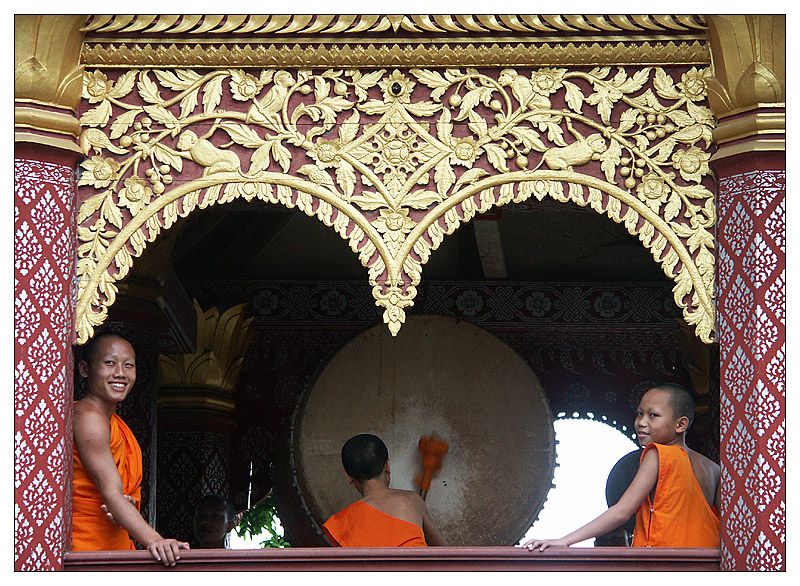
(396, 160)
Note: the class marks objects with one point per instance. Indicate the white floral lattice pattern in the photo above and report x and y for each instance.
(752, 336)
(44, 251)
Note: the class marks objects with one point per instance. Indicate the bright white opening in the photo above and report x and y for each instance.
(586, 452)
(255, 542)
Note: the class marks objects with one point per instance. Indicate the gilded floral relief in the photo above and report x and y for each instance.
(396, 160)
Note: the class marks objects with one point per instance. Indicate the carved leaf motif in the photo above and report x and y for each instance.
(111, 213)
(444, 176)
(349, 128)
(242, 134)
(477, 124)
(421, 199)
(189, 103)
(91, 205)
(610, 159)
(423, 108)
(260, 159)
(374, 107)
(529, 137)
(663, 150)
(496, 156)
(282, 155)
(122, 123)
(444, 127)
(178, 80)
(574, 96)
(433, 80)
(148, 90)
(167, 156)
(123, 86)
(635, 83)
(555, 133)
(164, 116)
(364, 82)
(627, 120)
(346, 177)
(212, 94)
(97, 116)
(673, 207)
(665, 86)
(368, 200)
(472, 99)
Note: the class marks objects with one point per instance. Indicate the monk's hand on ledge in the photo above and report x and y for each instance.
(543, 544)
(167, 551)
(110, 517)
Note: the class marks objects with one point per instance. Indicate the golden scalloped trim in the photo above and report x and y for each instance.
(572, 54)
(356, 24)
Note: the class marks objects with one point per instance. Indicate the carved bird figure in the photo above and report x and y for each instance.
(96, 140)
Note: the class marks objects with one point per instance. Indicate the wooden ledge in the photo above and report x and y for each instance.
(431, 559)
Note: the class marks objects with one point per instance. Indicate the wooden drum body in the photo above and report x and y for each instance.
(437, 376)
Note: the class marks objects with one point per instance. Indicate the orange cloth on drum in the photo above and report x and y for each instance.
(362, 525)
(679, 515)
(91, 529)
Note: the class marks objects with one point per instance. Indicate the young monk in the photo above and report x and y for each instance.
(676, 492)
(214, 519)
(107, 460)
(384, 517)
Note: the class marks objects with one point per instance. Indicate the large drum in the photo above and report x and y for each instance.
(437, 376)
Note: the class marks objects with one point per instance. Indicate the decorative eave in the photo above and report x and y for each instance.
(300, 41)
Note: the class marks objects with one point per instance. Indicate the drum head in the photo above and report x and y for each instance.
(437, 376)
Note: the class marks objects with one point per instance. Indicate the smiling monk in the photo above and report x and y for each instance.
(107, 460)
(675, 494)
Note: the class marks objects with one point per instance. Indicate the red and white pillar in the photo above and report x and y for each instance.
(752, 334)
(47, 88)
(44, 273)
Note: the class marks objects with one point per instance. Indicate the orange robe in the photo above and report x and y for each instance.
(679, 515)
(361, 525)
(91, 529)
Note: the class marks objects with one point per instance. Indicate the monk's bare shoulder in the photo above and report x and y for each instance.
(88, 422)
(707, 473)
(408, 495)
(706, 463)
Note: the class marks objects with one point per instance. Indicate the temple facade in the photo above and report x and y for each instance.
(244, 196)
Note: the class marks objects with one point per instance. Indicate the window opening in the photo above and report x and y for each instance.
(586, 451)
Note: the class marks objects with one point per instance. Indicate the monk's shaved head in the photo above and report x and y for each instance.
(680, 400)
(364, 456)
(92, 346)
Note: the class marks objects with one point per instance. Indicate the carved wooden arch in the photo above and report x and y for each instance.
(396, 160)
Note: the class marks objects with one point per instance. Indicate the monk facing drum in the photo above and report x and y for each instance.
(384, 517)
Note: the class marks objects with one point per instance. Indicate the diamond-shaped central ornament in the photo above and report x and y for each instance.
(399, 150)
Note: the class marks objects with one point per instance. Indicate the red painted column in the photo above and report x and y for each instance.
(751, 233)
(44, 274)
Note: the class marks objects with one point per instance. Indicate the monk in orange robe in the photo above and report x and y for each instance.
(676, 491)
(384, 517)
(107, 460)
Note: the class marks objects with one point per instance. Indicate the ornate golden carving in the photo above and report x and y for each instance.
(360, 24)
(47, 78)
(289, 41)
(468, 54)
(221, 343)
(747, 89)
(749, 61)
(400, 159)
